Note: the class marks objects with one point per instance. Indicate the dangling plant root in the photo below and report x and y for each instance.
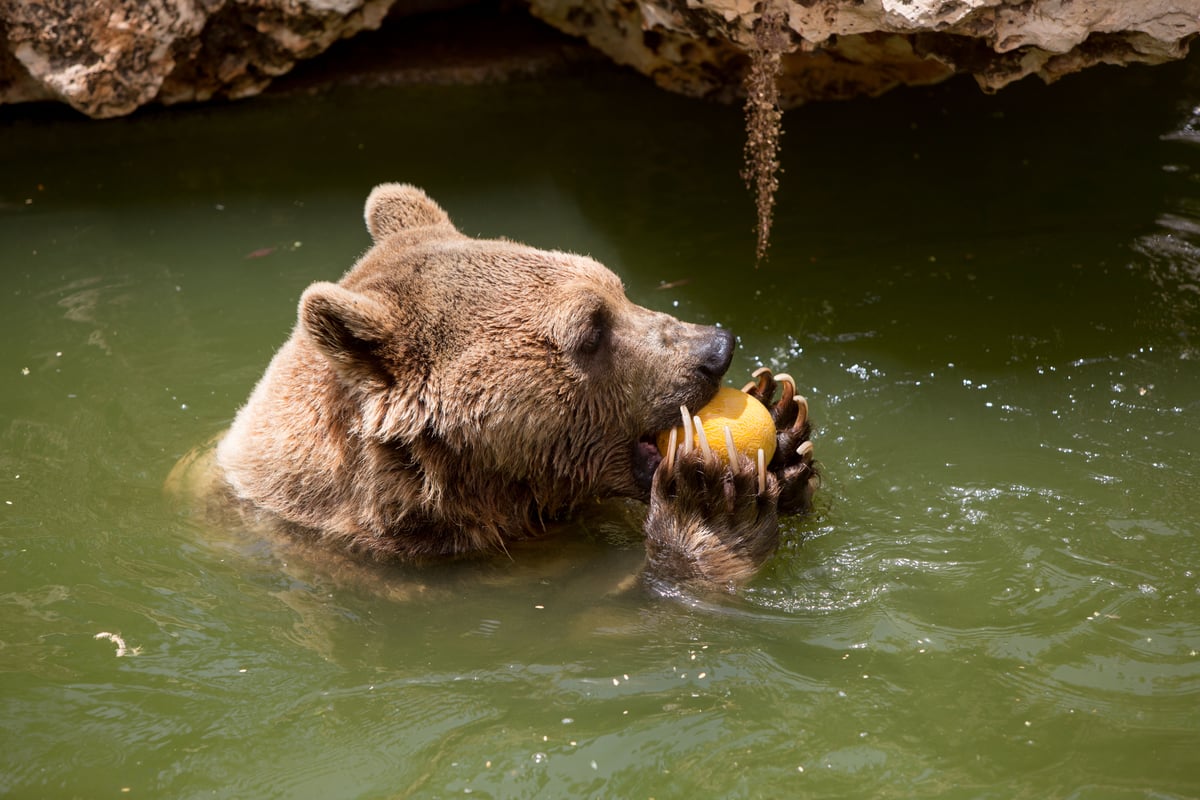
(764, 120)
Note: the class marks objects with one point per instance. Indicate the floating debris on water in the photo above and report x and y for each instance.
(115, 638)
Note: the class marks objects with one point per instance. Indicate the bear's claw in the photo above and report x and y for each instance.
(763, 385)
(715, 523)
(785, 406)
(710, 525)
(793, 460)
(693, 431)
(792, 463)
(762, 389)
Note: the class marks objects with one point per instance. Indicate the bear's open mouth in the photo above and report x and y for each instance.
(646, 458)
(646, 455)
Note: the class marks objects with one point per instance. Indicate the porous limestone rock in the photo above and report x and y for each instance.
(108, 57)
(844, 48)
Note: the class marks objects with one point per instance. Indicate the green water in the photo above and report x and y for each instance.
(993, 305)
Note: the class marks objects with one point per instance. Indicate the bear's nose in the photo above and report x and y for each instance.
(717, 354)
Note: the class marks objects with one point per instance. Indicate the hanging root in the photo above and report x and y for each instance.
(764, 120)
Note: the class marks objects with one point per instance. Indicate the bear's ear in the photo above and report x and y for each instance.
(347, 327)
(394, 207)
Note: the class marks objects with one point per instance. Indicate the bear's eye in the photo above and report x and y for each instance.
(593, 335)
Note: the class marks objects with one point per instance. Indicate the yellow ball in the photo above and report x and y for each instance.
(748, 421)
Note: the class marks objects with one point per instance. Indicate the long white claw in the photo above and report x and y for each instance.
(701, 439)
(672, 443)
(762, 471)
(687, 428)
(789, 388)
(729, 448)
(801, 413)
(805, 450)
(764, 384)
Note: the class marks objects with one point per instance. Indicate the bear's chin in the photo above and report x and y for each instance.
(646, 458)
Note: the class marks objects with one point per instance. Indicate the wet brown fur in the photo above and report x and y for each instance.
(444, 398)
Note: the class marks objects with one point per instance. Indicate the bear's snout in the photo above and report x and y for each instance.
(717, 353)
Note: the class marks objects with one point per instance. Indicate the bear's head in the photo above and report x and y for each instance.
(500, 370)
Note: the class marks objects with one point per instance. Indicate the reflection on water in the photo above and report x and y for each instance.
(991, 304)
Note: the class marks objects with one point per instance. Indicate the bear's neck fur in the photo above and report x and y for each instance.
(297, 450)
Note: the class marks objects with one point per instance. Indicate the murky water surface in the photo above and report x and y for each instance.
(992, 303)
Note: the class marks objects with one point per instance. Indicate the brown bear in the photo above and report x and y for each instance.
(450, 395)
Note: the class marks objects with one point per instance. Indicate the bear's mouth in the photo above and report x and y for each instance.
(646, 455)
(646, 458)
